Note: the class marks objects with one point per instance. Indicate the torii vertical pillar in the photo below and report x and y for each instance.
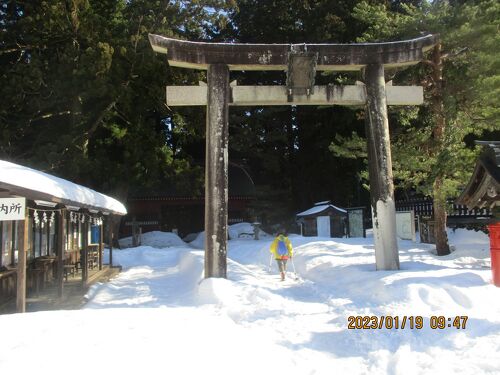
(216, 170)
(380, 170)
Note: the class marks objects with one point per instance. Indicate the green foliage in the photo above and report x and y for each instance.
(352, 147)
(294, 21)
(82, 95)
(381, 25)
(83, 92)
(470, 90)
(479, 33)
(287, 148)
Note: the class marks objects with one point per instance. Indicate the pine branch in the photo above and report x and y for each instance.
(90, 132)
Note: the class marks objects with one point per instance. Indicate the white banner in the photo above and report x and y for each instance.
(12, 208)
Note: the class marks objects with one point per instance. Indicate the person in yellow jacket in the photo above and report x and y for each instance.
(282, 250)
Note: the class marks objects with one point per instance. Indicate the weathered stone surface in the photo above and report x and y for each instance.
(380, 170)
(238, 56)
(277, 95)
(216, 171)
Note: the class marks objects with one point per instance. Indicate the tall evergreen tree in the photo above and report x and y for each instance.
(460, 78)
(293, 165)
(83, 92)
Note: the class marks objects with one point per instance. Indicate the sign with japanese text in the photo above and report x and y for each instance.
(12, 208)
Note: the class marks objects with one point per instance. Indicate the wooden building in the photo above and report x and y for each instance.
(49, 228)
(483, 189)
(170, 210)
(323, 220)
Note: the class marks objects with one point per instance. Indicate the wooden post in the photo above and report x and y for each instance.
(85, 248)
(21, 263)
(135, 233)
(47, 247)
(216, 171)
(101, 245)
(61, 241)
(110, 235)
(380, 170)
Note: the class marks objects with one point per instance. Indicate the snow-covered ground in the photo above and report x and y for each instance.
(160, 316)
(155, 239)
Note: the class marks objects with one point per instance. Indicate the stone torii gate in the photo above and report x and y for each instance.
(300, 61)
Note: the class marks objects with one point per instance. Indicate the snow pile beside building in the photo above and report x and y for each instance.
(236, 231)
(462, 236)
(155, 239)
(244, 230)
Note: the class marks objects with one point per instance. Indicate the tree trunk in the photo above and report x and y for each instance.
(438, 133)
(120, 193)
(116, 231)
(440, 235)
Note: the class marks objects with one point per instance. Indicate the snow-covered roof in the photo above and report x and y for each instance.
(33, 184)
(318, 209)
(321, 203)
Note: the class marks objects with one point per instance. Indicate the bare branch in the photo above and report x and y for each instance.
(449, 55)
(429, 62)
(50, 115)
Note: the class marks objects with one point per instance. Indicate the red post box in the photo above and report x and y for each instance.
(495, 252)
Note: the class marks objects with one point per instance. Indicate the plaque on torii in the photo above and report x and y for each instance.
(300, 62)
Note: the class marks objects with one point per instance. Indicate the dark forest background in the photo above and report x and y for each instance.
(82, 96)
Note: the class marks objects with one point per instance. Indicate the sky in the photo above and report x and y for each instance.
(160, 316)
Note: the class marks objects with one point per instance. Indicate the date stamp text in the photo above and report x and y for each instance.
(406, 322)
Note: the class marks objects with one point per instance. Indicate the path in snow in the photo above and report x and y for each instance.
(159, 315)
(251, 296)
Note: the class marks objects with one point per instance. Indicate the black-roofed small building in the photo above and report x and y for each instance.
(323, 220)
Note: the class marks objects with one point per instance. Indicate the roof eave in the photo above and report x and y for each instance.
(38, 195)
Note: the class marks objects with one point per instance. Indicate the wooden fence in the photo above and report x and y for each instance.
(424, 207)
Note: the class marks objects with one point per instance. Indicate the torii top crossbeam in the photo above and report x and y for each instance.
(331, 56)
